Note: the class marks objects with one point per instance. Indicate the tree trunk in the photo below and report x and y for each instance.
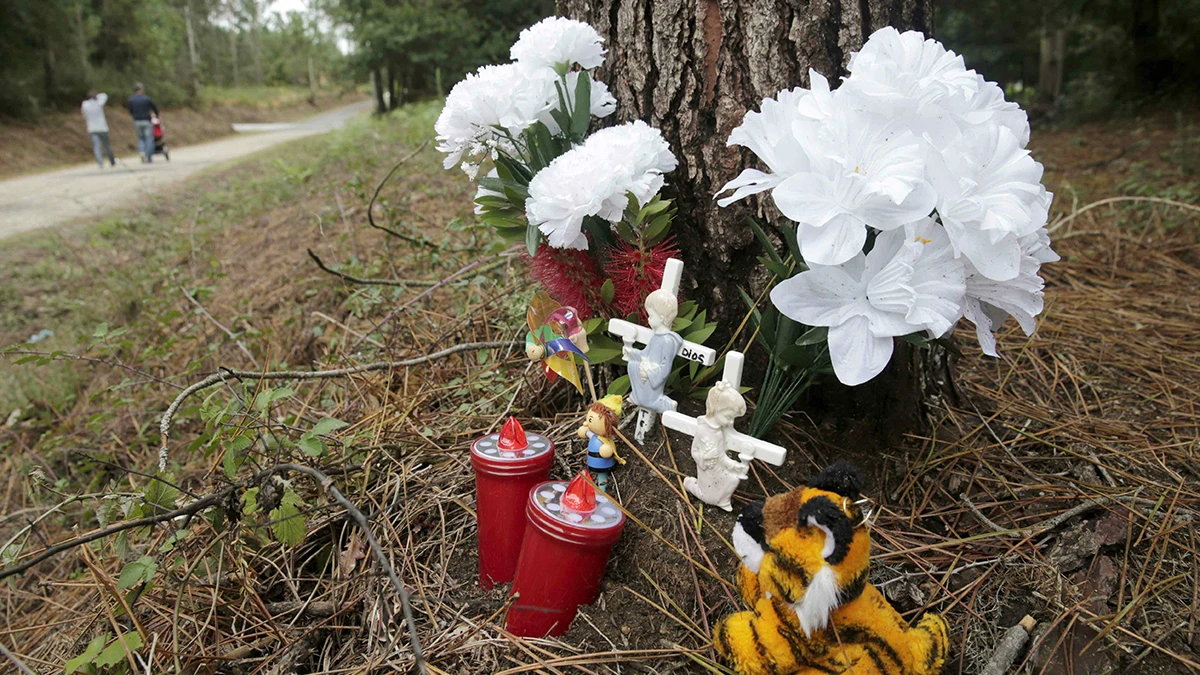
(233, 54)
(1151, 67)
(693, 68)
(377, 82)
(193, 58)
(391, 87)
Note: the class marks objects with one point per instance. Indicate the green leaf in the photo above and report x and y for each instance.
(814, 336)
(328, 425)
(593, 324)
(779, 269)
(100, 331)
(608, 291)
(250, 502)
(160, 496)
(763, 239)
(581, 116)
(88, 655)
(602, 349)
(532, 237)
(288, 524)
(619, 386)
(701, 334)
(139, 570)
(114, 653)
(312, 446)
(916, 339)
(658, 229)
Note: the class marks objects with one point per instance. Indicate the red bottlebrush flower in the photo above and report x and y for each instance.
(512, 436)
(571, 277)
(635, 273)
(580, 496)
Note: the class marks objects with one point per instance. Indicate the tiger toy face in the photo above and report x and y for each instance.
(805, 563)
(814, 543)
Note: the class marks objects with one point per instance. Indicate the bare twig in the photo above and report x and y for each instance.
(404, 283)
(1010, 645)
(192, 299)
(492, 262)
(1054, 227)
(380, 556)
(374, 197)
(88, 359)
(17, 662)
(164, 425)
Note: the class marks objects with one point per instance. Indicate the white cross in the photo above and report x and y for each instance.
(631, 333)
(747, 447)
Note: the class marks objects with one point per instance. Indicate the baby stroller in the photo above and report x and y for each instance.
(160, 140)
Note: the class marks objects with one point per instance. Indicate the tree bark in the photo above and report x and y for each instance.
(693, 68)
(391, 87)
(377, 81)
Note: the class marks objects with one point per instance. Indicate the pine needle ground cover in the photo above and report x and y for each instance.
(1060, 483)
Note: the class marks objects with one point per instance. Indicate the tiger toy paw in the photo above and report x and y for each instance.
(805, 562)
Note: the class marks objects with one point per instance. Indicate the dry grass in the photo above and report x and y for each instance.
(1060, 484)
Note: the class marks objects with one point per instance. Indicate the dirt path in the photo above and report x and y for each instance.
(53, 198)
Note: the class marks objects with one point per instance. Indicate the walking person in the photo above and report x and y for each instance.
(140, 107)
(97, 127)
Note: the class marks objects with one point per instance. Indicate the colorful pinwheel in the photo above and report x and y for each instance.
(555, 337)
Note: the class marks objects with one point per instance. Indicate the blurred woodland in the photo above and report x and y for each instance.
(54, 51)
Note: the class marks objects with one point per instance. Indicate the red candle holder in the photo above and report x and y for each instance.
(506, 465)
(562, 560)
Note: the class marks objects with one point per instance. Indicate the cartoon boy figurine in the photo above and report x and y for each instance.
(598, 428)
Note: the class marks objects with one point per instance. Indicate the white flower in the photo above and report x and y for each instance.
(602, 102)
(571, 188)
(557, 43)
(641, 155)
(988, 106)
(593, 179)
(771, 134)
(504, 96)
(863, 170)
(909, 282)
(484, 192)
(989, 302)
(989, 196)
(905, 72)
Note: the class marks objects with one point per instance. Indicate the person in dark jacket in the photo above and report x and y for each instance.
(140, 107)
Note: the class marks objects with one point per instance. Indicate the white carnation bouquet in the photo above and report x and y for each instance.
(586, 204)
(529, 119)
(914, 202)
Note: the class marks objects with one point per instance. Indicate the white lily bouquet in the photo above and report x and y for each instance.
(914, 200)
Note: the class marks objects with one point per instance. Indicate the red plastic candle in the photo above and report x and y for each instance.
(506, 465)
(562, 560)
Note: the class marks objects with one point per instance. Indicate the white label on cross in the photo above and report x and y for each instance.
(747, 447)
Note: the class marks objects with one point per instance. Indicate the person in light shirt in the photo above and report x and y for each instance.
(97, 127)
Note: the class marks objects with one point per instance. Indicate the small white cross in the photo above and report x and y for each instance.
(747, 447)
(631, 333)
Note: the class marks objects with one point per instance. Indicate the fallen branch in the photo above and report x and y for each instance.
(403, 283)
(164, 425)
(1054, 227)
(192, 299)
(381, 557)
(88, 359)
(1010, 645)
(374, 197)
(182, 512)
(492, 262)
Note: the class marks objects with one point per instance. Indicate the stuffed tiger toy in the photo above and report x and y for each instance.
(805, 560)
